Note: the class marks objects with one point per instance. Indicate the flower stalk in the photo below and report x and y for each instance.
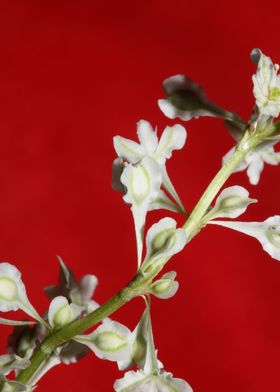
(139, 284)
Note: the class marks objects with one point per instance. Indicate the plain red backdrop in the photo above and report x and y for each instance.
(72, 75)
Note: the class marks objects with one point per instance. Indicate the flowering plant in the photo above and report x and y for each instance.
(140, 174)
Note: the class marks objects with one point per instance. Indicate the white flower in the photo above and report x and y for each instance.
(254, 162)
(10, 362)
(165, 287)
(163, 241)
(13, 294)
(266, 84)
(162, 201)
(267, 233)
(142, 181)
(172, 138)
(61, 312)
(139, 344)
(79, 293)
(111, 341)
(231, 203)
(152, 378)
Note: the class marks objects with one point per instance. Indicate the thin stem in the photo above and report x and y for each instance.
(193, 224)
(137, 286)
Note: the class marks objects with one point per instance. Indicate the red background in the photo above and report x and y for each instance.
(72, 75)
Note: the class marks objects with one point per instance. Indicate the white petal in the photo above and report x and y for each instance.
(111, 341)
(162, 242)
(170, 188)
(60, 312)
(267, 233)
(255, 167)
(163, 202)
(231, 203)
(172, 138)
(171, 112)
(266, 87)
(4, 321)
(143, 183)
(128, 150)
(147, 136)
(12, 292)
(270, 156)
(139, 344)
(87, 286)
(158, 235)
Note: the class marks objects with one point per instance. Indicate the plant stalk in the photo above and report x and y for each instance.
(137, 286)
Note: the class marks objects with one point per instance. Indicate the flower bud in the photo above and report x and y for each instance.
(166, 286)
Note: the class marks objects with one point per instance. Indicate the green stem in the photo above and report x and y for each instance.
(137, 286)
(133, 289)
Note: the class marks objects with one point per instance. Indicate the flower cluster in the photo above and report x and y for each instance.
(140, 174)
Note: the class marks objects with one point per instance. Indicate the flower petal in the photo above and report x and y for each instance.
(231, 203)
(128, 150)
(60, 312)
(170, 188)
(143, 183)
(255, 167)
(163, 241)
(4, 321)
(267, 233)
(266, 84)
(147, 136)
(163, 202)
(12, 292)
(172, 138)
(87, 286)
(158, 235)
(111, 341)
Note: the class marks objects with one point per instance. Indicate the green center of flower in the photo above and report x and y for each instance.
(140, 184)
(8, 289)
(233, 201)
(110, 341)
(160, 241)
(161, 286)
(63, 316)
(274, 93)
